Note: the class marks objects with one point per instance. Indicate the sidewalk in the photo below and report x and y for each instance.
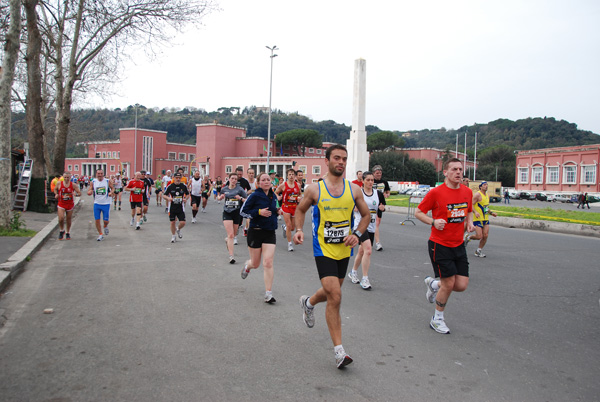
(15, 251)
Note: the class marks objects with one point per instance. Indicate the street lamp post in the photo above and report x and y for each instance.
(272, 49)
(135, 140)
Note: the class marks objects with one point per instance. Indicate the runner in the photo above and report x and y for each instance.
(450, 205)
(136, 189)
(245, 185)
(289, 195)
(148, 182)
(300, 179)
(206, 188)
(334, 199)
(373, 199)
(195, 188)
(481, 210)
(359, 178)
(219, 186)
(261, 210)
(384, 187)
(166, 180)
(64, 192)
(176, 194)
(253, 185)
(102, 189)
(158, 185)
(234, 196)
(118, 190)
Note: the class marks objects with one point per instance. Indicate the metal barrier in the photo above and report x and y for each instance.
(413, 202)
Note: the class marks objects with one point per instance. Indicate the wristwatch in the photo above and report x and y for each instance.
(357, 233)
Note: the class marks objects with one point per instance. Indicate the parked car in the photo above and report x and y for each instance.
(541, 196)
(563, 198)
(551, 197)
(524, 195)
(495, 198)
(421, 192)
(409, 191)
(514, 194)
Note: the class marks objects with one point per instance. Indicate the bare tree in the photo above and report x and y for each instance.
(86, 39)
(11, 53)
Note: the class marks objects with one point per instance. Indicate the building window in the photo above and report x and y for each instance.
(303, 168)
(552, 175)
(175, 167)
(114, 154)
(228, 169)
(319, 151)
(69, 168)
(569, 174)
(537, 174)
(311, 150)
(119, 154)
(104, 154)
(147, 153)
(588, 174)
(316, 169)
(181, 156)
(185, 168)
(77, 168)
(112, 168)
(523, 175)
(171, 156)
(240, 166)
(192, 157)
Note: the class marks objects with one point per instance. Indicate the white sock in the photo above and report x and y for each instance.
(308, 303)
(269, 293)
(365, 277)
(439, 315)
(478, 250)
(354, 271)
(338, 349)
(435, 285)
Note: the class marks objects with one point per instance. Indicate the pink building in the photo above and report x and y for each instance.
(563, 169)
(218, 151)
(435, 156)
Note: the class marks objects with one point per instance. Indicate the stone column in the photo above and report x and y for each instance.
(358, 157)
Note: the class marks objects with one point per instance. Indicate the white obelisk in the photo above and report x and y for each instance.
(358, 157)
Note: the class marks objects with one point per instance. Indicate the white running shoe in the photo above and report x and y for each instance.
(132, 222)
(245, 271)
(173, 239)
(138, 226)
(365, 284)
(378, 246)
(342, 359)
(479, 253)
(353, 276)
(106, 230)
(193, 220)
(235, 242)
(439, 326)
(269, 298)
(203, 210)
(179, 233)
(431, 293)
(290, 247)
(283, 227)
(100, 238)
(467, 238)
(231, 259)
(308, 313)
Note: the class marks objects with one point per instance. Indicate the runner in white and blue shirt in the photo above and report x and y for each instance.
(102, 190)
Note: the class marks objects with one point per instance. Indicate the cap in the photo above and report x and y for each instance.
(482, 183)
(272, 171)
(177, 175)
(376, 168)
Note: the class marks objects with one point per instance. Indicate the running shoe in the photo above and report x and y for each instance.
(68, 236)
(203, 210)
(100, 238)
(166, 210)
(283, 227)
(173, 239)
(308, 313)
(290, 247)
(353, 276)
(269, 298)
(137, 227)
(245, 232)
(245, 271)
(365, 284)
(61, 235)
(119, 208)
(467, 238)
(145, 219)
(193, 220)
(106, 230)
(132, 222)
(342, 359)
(231, 259)
(439, 326)
(479, 253)
(235, 242)
(378, 246)
(431, 293)
(179, 233)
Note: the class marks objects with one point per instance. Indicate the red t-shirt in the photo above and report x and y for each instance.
(451, 205)
(137, 194)
(358, 183)
(290, 196)
(65, 195)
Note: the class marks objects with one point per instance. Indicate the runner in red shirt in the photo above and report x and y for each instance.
(136, 197)
(289, 194)
(359, 178)
(65, 192)
(450, 205)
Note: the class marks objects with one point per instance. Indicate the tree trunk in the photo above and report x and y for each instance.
(35, 125)
(11, 53)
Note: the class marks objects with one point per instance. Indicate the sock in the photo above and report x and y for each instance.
(119, 203)
(354, 271)
(439, 315)
(269, 293)
(338, 349)
(365, 277)
(478, 250)
(435, 285)
(308, 303)
(289, 243)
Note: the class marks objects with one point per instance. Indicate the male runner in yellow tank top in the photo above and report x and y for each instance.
(334, 199)
(481, 210)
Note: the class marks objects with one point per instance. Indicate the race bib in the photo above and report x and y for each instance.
(178, 199)
(101, 191)
(67, 197)
(232, 203)
(373, 215)
(486, 210)
(292, 199)
(137, 190)
(456, 212)
(335, 232)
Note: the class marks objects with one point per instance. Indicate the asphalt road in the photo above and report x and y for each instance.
(137, 318)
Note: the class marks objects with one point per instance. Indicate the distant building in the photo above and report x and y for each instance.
(563, 169)
(218, 150)
(435, 156)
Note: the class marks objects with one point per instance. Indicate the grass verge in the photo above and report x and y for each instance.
(17, 233)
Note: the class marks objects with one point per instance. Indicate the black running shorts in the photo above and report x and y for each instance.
(233, 216)
(329, 267)
(367, 236)
(176, 214)
(258, 237)
(448, 261)
(135, 205)
(196, 199)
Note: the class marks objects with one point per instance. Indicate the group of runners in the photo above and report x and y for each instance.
(344, 215)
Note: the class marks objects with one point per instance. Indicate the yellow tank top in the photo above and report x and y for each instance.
(482, 207)
(332, 221)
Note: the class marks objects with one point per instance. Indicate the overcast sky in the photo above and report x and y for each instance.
(430, 64)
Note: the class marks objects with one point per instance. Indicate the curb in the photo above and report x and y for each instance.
(517, 223)
(16, 262)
